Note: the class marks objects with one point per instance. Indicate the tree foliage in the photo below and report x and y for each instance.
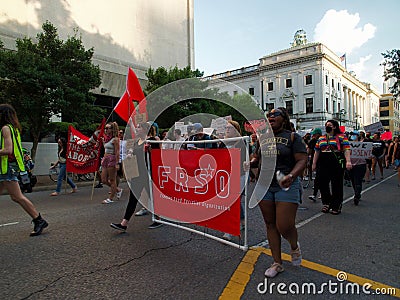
(392, 69)
(190, 98)
(49, 77)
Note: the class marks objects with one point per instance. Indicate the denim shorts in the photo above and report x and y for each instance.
(10, 176)
(293, 195)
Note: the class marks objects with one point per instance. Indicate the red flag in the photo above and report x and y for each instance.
(125, 106)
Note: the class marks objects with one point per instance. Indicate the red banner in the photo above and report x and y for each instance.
(198, 186)
(83, 153)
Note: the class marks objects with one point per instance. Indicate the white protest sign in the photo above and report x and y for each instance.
(375, 127)
(361, 150)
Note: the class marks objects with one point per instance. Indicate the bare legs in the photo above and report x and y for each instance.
(279, 218)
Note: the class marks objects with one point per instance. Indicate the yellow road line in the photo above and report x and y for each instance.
(237, 284)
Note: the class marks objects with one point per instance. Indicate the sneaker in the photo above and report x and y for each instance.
(274, 270)
(155, 225)
(107, 201)
(118, 227)
(142, 212)
(296, 256)
(227, 236)
(119, 194)
(100, 185)
(39, 225)
(312, 198)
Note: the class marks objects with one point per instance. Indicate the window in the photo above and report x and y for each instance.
(385, 122)
(308, 79)
(270, 86)
(289, 107)
(384, 113)
(289, 82)
(338, 106)
(333, 83)
(326, 79)
(338, 86)
(270, 106)
(327, 104)
(309, 105)
(251, 91)
(384, 103)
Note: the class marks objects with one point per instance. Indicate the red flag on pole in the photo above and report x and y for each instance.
(125, 106)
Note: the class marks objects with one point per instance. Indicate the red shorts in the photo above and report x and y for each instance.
(109, 161)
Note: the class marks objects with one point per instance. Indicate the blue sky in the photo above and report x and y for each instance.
(233, 34)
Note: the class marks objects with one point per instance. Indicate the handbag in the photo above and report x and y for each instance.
(341, 160)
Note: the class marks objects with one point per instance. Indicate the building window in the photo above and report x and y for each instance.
(338, 106)
(309, 105)
(384, 103)
(384, 113)
(289, 107)
(326, 79)
(270, 86)
(308, 79)
(333, 83)
(327, 104)
(251, 91)
(270, 106)
(338, 86)
(385, 122)
(288, 82)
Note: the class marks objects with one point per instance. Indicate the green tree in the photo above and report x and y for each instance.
(199, 98)
(392, 69)
(47, 78)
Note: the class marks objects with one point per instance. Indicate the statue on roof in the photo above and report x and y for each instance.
(300, 38)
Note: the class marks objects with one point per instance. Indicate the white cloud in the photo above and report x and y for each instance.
(359, 67)
(340, 31)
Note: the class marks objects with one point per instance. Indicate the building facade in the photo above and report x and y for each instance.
(136, 34)
(389, 113)
(310, 81)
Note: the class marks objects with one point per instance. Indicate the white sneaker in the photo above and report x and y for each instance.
(142, 212)
(119, 194)
(107, 201)
(227, 236)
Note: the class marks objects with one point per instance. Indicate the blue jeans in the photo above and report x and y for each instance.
(61, 177)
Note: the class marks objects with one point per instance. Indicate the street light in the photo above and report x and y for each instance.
(341, 113)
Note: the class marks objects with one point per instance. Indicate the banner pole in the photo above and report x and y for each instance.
(94, 182)
(247, 141)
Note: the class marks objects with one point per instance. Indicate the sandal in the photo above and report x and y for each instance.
(54, 194)
(325, 209)
(273, 270)
(296, 256)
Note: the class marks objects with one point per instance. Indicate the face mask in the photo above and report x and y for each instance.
(328, 129)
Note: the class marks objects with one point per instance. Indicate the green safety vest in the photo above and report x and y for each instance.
(16, 140)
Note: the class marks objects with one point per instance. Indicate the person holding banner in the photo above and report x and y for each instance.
(109, 163)
(139, 181)
(62, 162)
(357, 172)
(280, 202)
(12, 163)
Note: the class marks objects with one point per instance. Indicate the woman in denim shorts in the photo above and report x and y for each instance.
(280, 202)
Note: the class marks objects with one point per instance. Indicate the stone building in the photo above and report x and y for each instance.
(311, 82)
(125, 33)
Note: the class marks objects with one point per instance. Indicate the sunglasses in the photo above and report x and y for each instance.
(274, 114)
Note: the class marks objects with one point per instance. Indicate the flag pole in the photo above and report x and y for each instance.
(345, 61)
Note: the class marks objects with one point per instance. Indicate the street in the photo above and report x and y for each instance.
(79, 256)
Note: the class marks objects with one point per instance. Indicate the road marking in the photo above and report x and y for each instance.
(240, 278)
(8, 224)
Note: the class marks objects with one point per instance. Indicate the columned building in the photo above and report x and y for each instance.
(310, 81)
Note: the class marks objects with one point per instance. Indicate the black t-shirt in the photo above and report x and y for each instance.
(378, 148)
(284, 151)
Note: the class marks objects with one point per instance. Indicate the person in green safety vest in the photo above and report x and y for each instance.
(12, 165)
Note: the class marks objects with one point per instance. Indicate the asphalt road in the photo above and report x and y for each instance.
(80, 257)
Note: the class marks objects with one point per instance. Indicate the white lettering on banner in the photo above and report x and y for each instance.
(221, 180)
(360, 150)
